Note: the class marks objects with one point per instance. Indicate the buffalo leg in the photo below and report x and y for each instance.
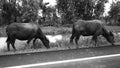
(13, 44)
(73, 36)
(34, 42)
(71, 39)
(97, 34)
(29, 41)
(95, 40)
(76, 40)
(8, 45)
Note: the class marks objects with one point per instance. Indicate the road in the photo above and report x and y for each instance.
(101, 57)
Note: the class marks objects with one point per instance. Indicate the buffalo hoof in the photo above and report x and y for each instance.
(71, 43)
(113, 44)
(77, 47)
(15, 50)
(48, 47)
(7, 50)
(69, 47)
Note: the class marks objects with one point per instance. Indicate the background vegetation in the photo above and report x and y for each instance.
(65, 12)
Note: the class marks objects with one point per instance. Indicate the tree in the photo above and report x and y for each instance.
(99, 8)
(114, 12)
(9, 11)
(84, 9)
(68, 10)
(12, 11)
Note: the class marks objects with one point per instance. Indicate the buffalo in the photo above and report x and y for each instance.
(25, 31)
(92, 28)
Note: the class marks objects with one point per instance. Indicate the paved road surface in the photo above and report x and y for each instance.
(70, 55)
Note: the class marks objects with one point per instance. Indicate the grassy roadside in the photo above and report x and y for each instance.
(59, 45)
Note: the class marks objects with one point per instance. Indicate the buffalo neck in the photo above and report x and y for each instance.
(105, 33)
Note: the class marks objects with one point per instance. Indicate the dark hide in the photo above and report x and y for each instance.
(25, 31)
(90, 28)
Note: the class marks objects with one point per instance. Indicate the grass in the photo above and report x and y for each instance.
(59, 45)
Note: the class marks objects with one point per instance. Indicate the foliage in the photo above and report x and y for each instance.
(27, 11)
(99, 8)
(114, 12)
(65, 12)
(115, 9)
(84, 9)
(8, 11)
